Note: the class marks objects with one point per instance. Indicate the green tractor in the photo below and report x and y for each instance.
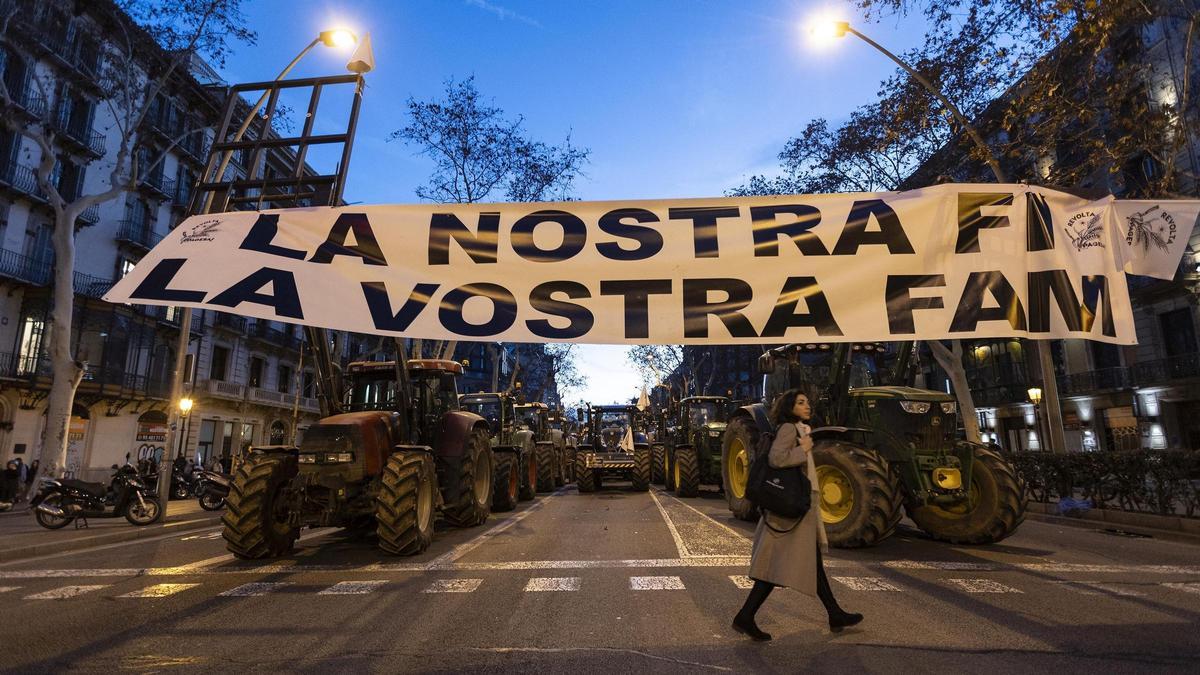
(880, 451)
(564, 439)
(692, 448)
(614, 444)
(549, 447)
(515, 450)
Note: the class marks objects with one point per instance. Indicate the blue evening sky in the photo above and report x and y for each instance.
(674, 99)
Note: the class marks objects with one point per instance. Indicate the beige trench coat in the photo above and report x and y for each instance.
(789, 558)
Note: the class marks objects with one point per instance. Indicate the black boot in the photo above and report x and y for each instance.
(744, 621)
(838, 618)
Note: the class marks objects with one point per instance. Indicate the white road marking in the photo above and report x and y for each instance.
(1100, 588)
(714, 521)
(939, 565)
(981, 586)
(453, 586)
(228, 557)
(65, 592)
(656, 584)
(92, 549)
(466, 547)
(742, 581)
(353, 587)
(679, 545)
(866, 583)
(210, 535)
(158, 591)
(254, 589)
(552, 584)
(5, 589)
(1186, 587)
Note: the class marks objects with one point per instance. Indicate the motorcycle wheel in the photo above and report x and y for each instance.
(52, 522)
(142, 514)
(179, 491)
(211, 502)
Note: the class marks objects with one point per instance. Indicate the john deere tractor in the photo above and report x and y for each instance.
(880, 450)
(692, 450)
(613, 445)
(514, 449)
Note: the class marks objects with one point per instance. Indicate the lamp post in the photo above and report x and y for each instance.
(1035, 397)
(185, 407)
(838, 29)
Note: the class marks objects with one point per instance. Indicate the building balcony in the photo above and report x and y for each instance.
(21, 180)
(226, 390)
(138, 233)
(261, 330)
(90, 216)
(159, 185)
(78, 134)
(115, 382)
(90, 286)
(1161, 371)
(1094, 381)
(231, 322)
(23, 268)
(282, 399)
(30, 102)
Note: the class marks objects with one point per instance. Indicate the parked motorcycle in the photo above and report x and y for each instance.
(61, 500)
(180, 487)
(212, 488)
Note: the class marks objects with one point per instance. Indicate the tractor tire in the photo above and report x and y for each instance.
(737, 453)
(475, 484)
(585, 478)
(506, 491)
(641, 468)
(256, 523)
(687, 472)
(560, 468)
(404, 509)
(545, 467)
(859, 498)
(998, 500)
(529, 475)
(658, 472)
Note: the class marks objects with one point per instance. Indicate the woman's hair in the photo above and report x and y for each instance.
(781, 412)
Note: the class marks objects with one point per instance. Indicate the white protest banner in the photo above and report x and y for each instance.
(951, 261)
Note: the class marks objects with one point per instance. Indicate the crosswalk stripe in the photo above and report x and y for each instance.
(1101, 588)
(742, 581)
(982, 586)
(158, 591)
(353, 588)
(866, 583)
(552, 584)
(1186, 587)
(453, 586)
(656, 584)
(65, 592)
(254, 589)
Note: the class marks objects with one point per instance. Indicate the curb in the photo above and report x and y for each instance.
(1100, 525)
(134, 533)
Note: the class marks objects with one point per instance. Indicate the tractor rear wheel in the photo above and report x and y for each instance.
(475, 484)
(995, 507)
(585, 478)
(658, 471)
(545, 467)
(641, 468)
(737, 452)
(508, 482)
(687, 472)
(860, 503)
(560, 468)
(258, 521)
(404, 509)
(529, 477)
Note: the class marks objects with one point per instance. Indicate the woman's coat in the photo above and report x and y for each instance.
(789, 558)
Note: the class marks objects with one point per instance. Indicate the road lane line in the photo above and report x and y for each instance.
(714, 521)
(1100, 588)
(656, 584)
(254, 589)
(454, 586)
(981, 586)
(65, 592)
(228, 557)
(742, 581)
(6, 589)
(866, 583)
(354, 587)
(679, 545)
(538, 584)
(1188, 587)
(479, 539)
(92, 549)
(158, 591)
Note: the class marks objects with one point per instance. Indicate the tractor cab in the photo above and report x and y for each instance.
(536, 418)
(497, 409)
(433, 391)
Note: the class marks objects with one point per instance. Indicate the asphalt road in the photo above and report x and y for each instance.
(610, 582)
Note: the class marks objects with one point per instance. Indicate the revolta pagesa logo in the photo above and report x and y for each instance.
(1085, 230)
(1152, 226)
(203, 231)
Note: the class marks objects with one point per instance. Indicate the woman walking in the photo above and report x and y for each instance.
(787, 551)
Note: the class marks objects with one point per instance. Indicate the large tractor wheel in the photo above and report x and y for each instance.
(658, 470)
(641, 468)
(737, 452)
(560, 467)
(687, 472)
(475, 484)
(404, 509)
(529, 477)
(585, 478)
(860, 503)
(258, 521)
(995, 506)
(545, 467)
(506, 491)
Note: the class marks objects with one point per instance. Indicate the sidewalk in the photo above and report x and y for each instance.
(1184, 530)
(21, 536)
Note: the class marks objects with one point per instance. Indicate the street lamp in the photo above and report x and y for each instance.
(1035, 397)
(185, 407)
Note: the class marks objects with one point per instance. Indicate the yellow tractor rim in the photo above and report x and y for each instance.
(666, 464)
(677, 481)
(739, 468)
(837, 494)
(962, 509)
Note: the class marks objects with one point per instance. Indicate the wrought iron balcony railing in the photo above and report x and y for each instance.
(23, 268)
(138, 233)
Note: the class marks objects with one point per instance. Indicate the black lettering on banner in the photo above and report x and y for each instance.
(260, 235)
(900, 305)
(504, 310)
(384, 318)
(1076, 315)
(365, 247)
(284, 299)
(1039, 226)
(649, 240)
(890, 234)
(768, 229)
(480, 246)
(542, 299)
(697, 308)
(574, 236)
(704, 225)
(154, 286)
(971, 219)
(784, 315)
(637, 294)
(971, 311)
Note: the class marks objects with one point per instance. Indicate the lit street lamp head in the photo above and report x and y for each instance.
(1035, 395)
(338, 37)
(185, 405)
(824, 29)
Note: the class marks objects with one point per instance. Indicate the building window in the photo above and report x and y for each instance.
(256, 371)
(220, 359)
(124, 266)
(310, 385)
(31, 345)
(284, 384)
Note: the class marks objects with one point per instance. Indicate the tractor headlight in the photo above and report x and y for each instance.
(339, 457)
(915, 407)
(949, 407)
(308, 459)
(714, 434)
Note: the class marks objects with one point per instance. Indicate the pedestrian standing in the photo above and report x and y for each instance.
(22, 479)
(787, 551)
(8, 484)
(33, 471)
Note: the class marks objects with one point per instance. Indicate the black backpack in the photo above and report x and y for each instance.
(784, 492)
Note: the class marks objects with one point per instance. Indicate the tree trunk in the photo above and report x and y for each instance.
(951, 362)
(417, 345)
(494, 351)
(448, 350)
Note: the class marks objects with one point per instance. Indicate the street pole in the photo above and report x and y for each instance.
(1041, 347)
